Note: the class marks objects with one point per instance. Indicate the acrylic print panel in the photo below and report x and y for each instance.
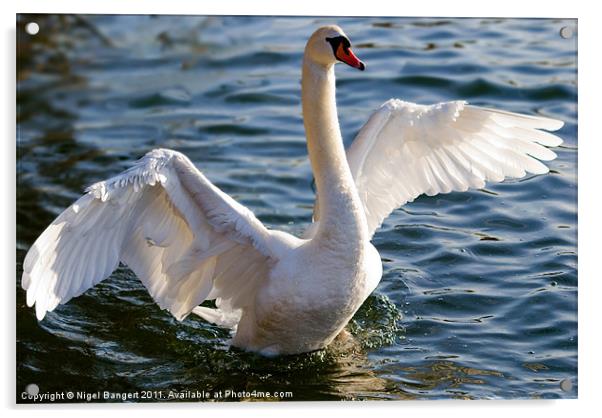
(478, 296)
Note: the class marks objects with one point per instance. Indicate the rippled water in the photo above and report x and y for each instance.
(479, 294)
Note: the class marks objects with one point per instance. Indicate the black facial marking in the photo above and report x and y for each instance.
(336, 41)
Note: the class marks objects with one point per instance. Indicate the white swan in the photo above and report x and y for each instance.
(189, 242)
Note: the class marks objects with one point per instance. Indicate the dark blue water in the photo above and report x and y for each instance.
(479, 293)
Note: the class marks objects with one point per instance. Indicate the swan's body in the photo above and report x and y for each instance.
(188, 241)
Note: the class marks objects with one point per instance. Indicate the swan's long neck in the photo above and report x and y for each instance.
(340, 213)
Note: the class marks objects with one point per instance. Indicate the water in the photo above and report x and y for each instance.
(479, 293)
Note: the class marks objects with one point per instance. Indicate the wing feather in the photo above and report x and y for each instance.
(183, 237)
(405, 150)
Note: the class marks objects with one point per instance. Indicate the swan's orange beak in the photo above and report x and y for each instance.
(346, 55)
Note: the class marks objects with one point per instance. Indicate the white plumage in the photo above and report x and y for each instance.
(188, 241)
(179, 242)
(406, 150)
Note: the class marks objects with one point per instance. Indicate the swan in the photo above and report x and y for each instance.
(188, 241)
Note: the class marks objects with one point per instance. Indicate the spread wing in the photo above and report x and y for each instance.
(184, 238)
(405, 150)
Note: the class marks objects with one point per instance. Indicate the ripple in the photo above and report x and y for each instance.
(259, 98)
(233, 129)
(427, 81)
(177, 97)
(255, 59)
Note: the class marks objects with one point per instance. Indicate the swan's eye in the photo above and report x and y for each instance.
(339, 41)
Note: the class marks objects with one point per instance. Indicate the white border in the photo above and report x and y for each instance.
(589, 190)
(456, 8)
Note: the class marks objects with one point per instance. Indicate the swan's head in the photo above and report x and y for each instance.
(328, 45)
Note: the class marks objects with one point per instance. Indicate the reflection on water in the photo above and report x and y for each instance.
(478, 297)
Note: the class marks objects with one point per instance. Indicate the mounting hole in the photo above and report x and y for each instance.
(32, 389)
(566, 32)
(32, 28)
(566, 385)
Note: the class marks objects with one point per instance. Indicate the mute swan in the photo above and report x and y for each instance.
(189, 242)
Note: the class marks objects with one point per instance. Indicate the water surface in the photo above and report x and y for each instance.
(479, 293)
